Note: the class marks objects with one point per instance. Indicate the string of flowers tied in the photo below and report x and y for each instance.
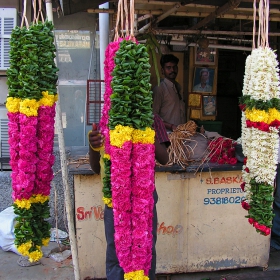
(260, 121)
(129, 156)
(31, 112)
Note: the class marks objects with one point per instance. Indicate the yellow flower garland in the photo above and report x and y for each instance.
(146, 136)
(120, 135)
(12, 104)
(36, 255)
(30, 107)
(256, 115)
(136, 275)
(26, 203)
(33, 256)
(107, 201)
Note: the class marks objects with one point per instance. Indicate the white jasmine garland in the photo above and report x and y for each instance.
(247, 75)
(245, 134)
(263, 81)
(262, 160)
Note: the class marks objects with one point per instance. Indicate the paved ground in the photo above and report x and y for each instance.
(51, 270)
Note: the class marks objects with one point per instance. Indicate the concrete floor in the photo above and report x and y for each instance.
(49, 269)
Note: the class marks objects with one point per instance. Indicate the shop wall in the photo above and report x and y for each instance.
(78, 61)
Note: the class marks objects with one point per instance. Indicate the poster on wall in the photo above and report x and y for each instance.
(203, 79)
(205, 56)
(209, 105)
(194, 100)
(76, 56)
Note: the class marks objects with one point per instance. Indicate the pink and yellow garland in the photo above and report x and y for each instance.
(131, 153)
(31, 134)
(31, 113)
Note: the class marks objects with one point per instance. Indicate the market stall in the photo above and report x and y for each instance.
(201, 224)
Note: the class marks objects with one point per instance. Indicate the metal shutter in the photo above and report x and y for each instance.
(5, 148)
(8, 18)
(95, 100)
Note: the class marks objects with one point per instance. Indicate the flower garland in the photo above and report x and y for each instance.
(222, 151)
(260, 124)
(109, 65)
(129, 157)
(31, 111)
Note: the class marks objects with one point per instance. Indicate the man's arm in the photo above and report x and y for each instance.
(95, 141)
(157, 100)
(161, 152)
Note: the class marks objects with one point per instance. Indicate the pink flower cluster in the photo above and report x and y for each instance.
(109, 65)
(31, 158)
(132, 185)
(222, 150)
(46, 159)
(264, 229)
(132, 177)
(143, 186)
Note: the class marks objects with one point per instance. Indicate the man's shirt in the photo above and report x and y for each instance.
(167, 103)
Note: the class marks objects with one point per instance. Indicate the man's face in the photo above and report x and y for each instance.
(170, 71)
(204, 77)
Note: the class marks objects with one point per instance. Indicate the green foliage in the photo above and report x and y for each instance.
(31, 224)
(259, 104)
(107, 179)
(152, 47)
(261, 203)
(32, 67)
(131, 100)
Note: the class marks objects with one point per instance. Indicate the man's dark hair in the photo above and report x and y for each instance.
(168, 58)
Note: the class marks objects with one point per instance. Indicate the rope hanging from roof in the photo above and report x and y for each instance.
(125, 20)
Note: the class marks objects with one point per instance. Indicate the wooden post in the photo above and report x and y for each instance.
(64, 170)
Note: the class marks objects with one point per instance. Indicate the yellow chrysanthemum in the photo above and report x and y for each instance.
(107, 156)
(23, 203)
(135, 275)
(262, 116)
(35, 255)
(45, 241)
(24, 248)
(274, 114)
(107, 201)
(146, 136)
(48, 99)
(12, 104)
(120, 135)
(29, 107)
(26, 203)
(39, 198)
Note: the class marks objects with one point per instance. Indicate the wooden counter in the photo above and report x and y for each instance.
(201, 224)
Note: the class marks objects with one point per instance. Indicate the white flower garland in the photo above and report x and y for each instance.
(263, 151)
(263, 77)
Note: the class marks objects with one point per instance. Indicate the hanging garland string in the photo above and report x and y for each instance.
(260, 125)
(31, 80)
(129, 153)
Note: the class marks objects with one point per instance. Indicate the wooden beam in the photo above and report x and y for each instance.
(231, 4)
(161, 31)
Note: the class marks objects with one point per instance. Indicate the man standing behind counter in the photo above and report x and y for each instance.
(168, 102)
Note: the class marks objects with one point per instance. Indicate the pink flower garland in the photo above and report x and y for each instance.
(132, 180)
(46, 159)
(28, 158)
(14, 149)
(121, 197)
(109, 65)
(143, 186)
